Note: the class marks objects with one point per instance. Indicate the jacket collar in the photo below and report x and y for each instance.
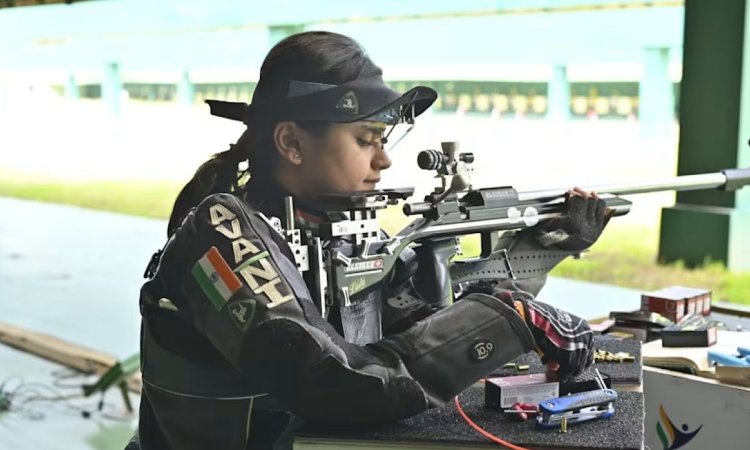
(268, 198)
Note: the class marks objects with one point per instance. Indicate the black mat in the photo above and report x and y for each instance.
(620, 373)
(444, 425)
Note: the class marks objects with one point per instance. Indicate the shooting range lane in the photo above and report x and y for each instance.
(75, 273)
(444, 426)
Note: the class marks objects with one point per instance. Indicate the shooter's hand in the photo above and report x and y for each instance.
(564, 341)
(580, 226)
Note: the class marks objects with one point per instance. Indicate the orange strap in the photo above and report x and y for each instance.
(520, 309)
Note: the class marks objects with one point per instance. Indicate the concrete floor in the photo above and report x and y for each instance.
(75, 274)
(34, 423)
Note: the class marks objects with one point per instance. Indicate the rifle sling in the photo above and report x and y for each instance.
(518, 265)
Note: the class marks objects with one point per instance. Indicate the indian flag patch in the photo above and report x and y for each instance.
(216, 278)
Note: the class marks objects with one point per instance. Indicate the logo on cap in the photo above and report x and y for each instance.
(348, 103)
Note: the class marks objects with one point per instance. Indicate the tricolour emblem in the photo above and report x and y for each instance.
(216, 278)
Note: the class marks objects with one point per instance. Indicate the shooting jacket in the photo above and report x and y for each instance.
(234, 352)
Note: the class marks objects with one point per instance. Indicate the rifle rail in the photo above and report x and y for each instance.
(716, 180)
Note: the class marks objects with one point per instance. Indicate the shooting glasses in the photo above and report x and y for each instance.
(368, 99)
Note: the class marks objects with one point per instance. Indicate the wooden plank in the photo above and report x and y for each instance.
(62, 352)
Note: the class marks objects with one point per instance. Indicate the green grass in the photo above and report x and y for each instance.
(624, 256)
(136, 197)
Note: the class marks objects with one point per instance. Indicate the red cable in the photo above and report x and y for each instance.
(484, 433)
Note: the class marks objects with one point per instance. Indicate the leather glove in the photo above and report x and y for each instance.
(583, 222)
(560, 337)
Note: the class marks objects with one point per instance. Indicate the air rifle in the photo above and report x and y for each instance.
(351, 256)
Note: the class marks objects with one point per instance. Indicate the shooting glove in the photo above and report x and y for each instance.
(580, 226)
(559, 336)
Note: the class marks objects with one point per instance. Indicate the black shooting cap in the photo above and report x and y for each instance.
(360, 99)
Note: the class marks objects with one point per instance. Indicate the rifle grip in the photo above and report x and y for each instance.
(433, 279)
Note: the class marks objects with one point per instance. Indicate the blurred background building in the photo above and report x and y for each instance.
(618, 59)
(545, 92)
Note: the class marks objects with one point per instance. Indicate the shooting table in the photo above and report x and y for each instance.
(715, 413)
(443, 428)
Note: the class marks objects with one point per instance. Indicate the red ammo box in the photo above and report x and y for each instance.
(675, 302)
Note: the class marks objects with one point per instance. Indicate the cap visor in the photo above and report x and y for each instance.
(409, 105)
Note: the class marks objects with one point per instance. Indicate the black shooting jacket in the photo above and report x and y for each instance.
(234, 352)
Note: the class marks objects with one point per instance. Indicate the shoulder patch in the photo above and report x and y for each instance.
(242, 313)
(261, 276)
(216, 278)
(254, 267)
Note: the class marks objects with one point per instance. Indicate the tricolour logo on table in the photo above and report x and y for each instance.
(672, 438)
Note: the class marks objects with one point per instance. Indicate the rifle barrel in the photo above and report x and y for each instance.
(682, 183)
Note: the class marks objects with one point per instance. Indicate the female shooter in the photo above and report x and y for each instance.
(233, 348)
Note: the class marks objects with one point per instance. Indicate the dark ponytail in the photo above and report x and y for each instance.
(218, 174)
(315, 56)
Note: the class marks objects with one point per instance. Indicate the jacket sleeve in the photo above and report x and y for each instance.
(231, 276)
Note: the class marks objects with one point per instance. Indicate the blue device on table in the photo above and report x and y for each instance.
(560, 412)
(577, 408)
(725, 359)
